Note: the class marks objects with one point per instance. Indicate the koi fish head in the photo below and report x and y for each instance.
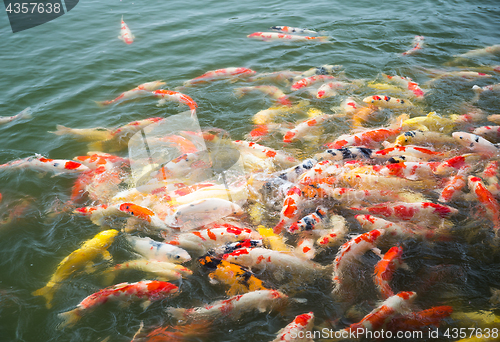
(241, 257)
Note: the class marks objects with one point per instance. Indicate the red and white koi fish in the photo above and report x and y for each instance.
(408, 170)
(491, 133)
(220, 74)
(312, 221)
(490, 174)
(291, 209)
(479, 90)
(453, 187)
(416, 151)
(420, 320)
(385, 101)
(234, 307)
(493, 49)
(417, 212)
(305, 248)
(475, 143)
(147, 291)
(308, 81)
(203, 240)
(369, 138)
(155, 250)
(349, 106)
(354, 249)
(267, 36)
(418, 44)
(452, 165)
(272, 91)
(265, 152)
(201, 212)
(288, 29)
(385, 268)
(380, 316)
(407, 83)
(140, 90)
(351, 196)
(334, 235)
(369, 223)
(330, 89)
(25, 114)
(170, 95)
(125, 33)
(43, 164)
(298, 327)
(305, 128)
(101, 161)
(487, 200)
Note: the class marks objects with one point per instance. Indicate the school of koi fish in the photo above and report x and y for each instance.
(344, 201)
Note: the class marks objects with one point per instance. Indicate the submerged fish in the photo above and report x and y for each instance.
(125, 33)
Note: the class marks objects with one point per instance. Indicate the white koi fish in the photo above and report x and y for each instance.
(268, 36)
(25, 114)
(141, 90)
(125, 33)
(493, 49)
(156, 250)
(220, 74)
(43, 164)
(170, 95)
(475, 143)
(288, 29)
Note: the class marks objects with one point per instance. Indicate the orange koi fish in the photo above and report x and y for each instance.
(385, 268)
(269, 36)
(369, 222)
(125, 33)
(220, 74)
(169, 95)
(453, 186)
(421, 319)
(487, 200)
(140, 90)
(147, 291)
(290, 211)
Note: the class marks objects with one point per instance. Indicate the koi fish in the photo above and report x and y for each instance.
(203, 240)
(381, 315)
(292, 174)
(290, 211)
(334, 235)
(162, 270)
(288, 29)
(407, 83)
(487, 200)
(354, 249)
(309, 222)
(453, 186)
(264, 152)
(267, 36)
(385, 101)
(271, 240)
(140, 90)
(278, 76)
(424, 138)
(345, 153)
(369, 223)
(147, 291)
(430, 122)
(475, 143)
(203, 211)
(25, 114)
(84, 134)
(156, 250)
(239, 279)
(267, 116)
(407, 150)
(325, 69)
(408, 170)
(170, 95)
(369, 138)
(421, 319)
(479, 90)
(219, 74)
(142, 213)
(491, 133)
(298, 327)
(330, 89)
(271, 91)
(385, 268)
(234, 307)
(308, 81)
(493, 49)
(418, 44)
(305, 127)
(305, 248)
(349, 196)
(125, 33)
(41, 163)
(89, 250)
(454, 164)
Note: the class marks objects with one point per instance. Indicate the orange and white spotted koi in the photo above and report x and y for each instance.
(203, 240)
(297, 329)
(453, 187)
(407, 83)
(385, 101)
(491, 133)
(155, 250)
(170, 95)
(305, 127)
(381, 315)
(40, 163)
(265, 152)
(475, 143)
(309, 81)
(354, 249)
(490, 174)
(234, 307)
(101, 161)
(418, 44)
(125, 33)
(407, 150)
(369, 222)
(330, 89)
(288, 29)
(333, 236)
(141, 90)
(417, 212)
(315, 220)
(408, 170)
(385, 268)
(487, 200)
(220, 74)
(147, 291)
(349, 106)
(291, 209)
(305, 248)
(268, 36)
(25, 114)
(271, 91)
(370, 138)
(452, 165)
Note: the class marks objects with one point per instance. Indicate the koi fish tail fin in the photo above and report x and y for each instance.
(47, 292)
(177, 313)
(61, 130)
(25, 114)
(69, 318)
(103, 103)
(324, 39)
